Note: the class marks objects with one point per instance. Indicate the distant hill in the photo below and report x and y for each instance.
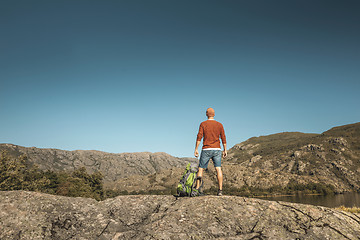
(112, 166)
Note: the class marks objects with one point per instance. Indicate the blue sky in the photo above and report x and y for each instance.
(133, 76)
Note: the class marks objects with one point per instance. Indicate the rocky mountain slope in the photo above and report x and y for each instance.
(112, 166)
(31, 215)
(332, 157)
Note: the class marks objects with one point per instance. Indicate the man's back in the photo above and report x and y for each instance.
(211, 130)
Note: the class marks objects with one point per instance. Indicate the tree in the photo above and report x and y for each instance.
(17, 174)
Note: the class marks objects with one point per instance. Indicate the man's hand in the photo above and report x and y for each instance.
(196, 153)
(224, 153)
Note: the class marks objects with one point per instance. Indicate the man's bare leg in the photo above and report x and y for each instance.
(219, 177)
(199, 175)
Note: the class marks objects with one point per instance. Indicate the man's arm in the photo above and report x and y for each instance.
(196, 148)
(225, 151)
(198, 140)
(223, 140)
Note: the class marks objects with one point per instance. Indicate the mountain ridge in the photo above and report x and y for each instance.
(81, 150)
(112, 165)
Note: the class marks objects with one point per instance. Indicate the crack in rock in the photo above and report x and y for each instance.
(107, 225)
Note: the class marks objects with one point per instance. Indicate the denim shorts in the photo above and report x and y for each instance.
(205, 156)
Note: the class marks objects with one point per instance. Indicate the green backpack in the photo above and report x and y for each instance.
(186, 186)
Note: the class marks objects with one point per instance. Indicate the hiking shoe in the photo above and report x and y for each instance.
(219, 193)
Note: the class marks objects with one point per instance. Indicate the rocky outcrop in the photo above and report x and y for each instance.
(112, 166)
(30, 215)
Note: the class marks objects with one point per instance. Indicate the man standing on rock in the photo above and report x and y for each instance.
(211, 131)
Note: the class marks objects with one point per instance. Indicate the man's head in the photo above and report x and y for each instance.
(210, 112)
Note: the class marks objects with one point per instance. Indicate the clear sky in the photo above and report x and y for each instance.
(133, 76)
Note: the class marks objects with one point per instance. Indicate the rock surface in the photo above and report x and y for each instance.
(30, 215)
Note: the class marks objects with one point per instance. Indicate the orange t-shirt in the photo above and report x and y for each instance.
(212, 131)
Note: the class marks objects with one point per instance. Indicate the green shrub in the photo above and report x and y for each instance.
(18, 174)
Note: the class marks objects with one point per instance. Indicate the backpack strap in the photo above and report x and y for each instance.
(200, 183)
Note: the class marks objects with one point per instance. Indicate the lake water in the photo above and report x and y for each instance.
(346, 199)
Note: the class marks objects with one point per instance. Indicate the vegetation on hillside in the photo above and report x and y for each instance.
(350, 209)
(273, 144)
(18, 174)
